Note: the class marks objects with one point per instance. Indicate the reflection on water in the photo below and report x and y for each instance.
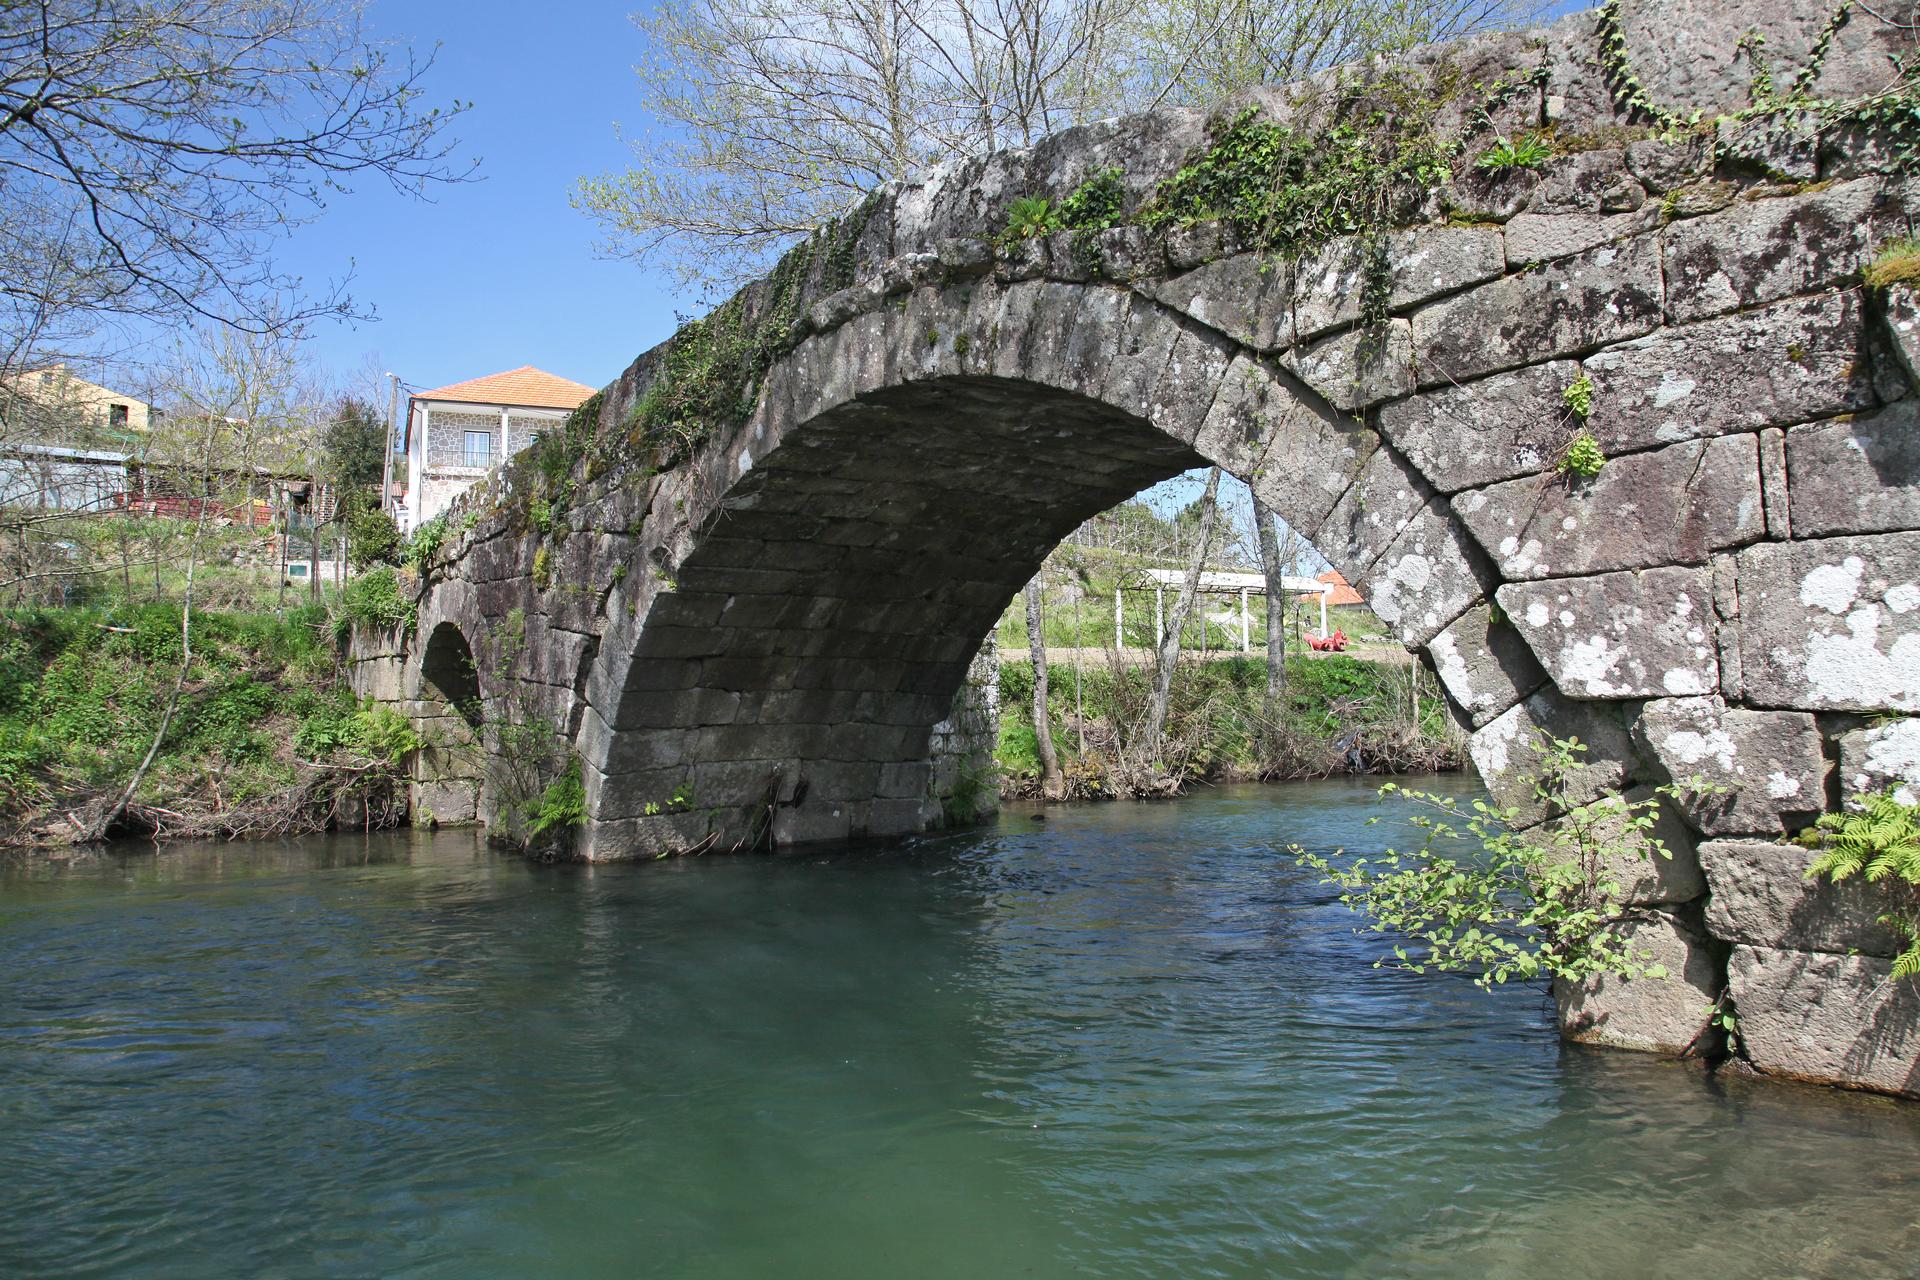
(1127, 1041)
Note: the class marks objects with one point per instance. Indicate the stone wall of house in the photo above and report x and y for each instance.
(775, 629)
(446, 436)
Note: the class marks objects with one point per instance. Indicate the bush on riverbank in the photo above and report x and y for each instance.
(267, 740)
(1340, 714)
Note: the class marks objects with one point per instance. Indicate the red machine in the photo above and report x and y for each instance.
(1335, 643)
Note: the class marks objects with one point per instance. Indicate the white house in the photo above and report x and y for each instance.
(457, 433)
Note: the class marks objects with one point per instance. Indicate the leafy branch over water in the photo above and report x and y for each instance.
(1517, 903)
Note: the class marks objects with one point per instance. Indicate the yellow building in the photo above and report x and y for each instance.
(56, 402)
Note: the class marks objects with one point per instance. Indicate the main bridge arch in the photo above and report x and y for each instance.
(905, 473)
(761, 637)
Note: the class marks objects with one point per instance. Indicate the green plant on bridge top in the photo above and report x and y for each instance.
(1481, 895)
(1291, 191)
(1529, 151)
(1030, 217)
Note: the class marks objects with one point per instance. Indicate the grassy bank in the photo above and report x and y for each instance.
(266, 738)
(1339, 714)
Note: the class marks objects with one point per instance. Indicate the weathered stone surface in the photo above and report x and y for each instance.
(1773, 484)
(1900, 320)
(1360, 367)
(1586, 182)
(1661, 1014)
(1829, 1018)
(451, 803)
(1766, 249)
(1861, 475)
(1785, 364)
(1671, 506)
(1506, 751)
(1422, 264)
(1883, 757)
(1379, 505)
(1769, 763)
(1297, 455)
(1832, 624)
(1246, 297)
(1510, 424)
(1645, 634)
(1483, 664)
(1427, 578)
(1605, 295)
(1762, 897)
(1478, 195)
(1541, 237)
(1784, 145)
(1693, 51)
(1665, 164)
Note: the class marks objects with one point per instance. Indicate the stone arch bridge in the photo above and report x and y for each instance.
(757, 626)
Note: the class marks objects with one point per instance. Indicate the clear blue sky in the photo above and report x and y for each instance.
(499, 272)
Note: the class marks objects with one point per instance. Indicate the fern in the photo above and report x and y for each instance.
(1880, 842)
(1907, 963)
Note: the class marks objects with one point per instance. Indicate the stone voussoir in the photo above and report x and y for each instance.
(1640, 634)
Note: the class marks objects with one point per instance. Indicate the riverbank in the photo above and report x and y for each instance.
(264, 738)
(1338, 714)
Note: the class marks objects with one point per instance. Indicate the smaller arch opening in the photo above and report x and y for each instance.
(447, 668)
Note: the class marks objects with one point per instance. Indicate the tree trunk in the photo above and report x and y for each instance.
(1148, 746)
(1053, 784)
(1276, 613)
(98, 830)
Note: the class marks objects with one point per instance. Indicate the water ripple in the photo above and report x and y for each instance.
(1132, 1041)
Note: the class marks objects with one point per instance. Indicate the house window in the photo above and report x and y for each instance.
(479, 449)
(117, 416)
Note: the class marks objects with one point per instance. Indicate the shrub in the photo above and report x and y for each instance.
(372, 537)
(425, 544)
(375, 599)
(1524, 904)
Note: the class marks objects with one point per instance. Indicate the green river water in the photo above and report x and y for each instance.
(1129, 1040)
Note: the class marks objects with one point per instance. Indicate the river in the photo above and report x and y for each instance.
(1126, 1040)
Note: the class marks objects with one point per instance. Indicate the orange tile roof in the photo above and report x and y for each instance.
(528, 386)
(1343, 592)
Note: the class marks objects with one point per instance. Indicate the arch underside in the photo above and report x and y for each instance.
(821, 627)
(834, 603)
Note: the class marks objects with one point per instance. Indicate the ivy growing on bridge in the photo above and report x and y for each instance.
(709, 374)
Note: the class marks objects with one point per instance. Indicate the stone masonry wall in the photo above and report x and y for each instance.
(779, 624)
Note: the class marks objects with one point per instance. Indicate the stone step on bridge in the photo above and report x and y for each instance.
(744, 588)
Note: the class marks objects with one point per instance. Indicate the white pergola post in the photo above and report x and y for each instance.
(1159, 615)
(1246, 636)
(1119, 631)
(1323, 611)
